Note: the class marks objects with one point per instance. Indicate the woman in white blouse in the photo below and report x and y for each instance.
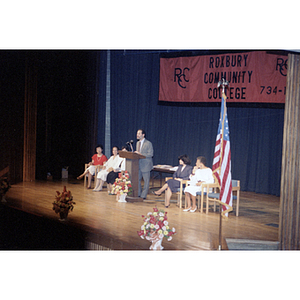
(112, 164)
(201, 173)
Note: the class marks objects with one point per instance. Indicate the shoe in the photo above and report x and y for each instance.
(166, 206)
(187, 209)
(193, 210)
(153, 192)
(96, 190)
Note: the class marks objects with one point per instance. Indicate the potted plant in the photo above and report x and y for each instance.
(122, 187)
(63, 203)
(155, 228)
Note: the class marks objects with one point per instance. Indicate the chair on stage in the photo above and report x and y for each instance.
(180, 192)
(211, 188)
(98, 168)
(214, 195)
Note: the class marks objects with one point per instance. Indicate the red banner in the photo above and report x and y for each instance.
(253, 77)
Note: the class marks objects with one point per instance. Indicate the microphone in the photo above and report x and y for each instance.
(130, 144)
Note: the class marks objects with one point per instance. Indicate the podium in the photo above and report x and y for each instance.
(132, 166)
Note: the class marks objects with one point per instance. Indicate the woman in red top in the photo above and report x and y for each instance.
(97, 159)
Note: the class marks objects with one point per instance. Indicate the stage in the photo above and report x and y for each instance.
(99, 222)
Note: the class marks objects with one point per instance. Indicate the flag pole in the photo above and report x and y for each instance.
(222, 83)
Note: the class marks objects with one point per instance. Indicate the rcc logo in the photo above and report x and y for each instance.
(281, 66)
(180, 75)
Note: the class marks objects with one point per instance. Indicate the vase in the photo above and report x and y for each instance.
(121, 198)
(63, 215)
(155, 242)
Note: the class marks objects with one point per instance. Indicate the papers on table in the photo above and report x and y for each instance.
(168, 167)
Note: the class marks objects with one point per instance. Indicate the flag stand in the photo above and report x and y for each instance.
(222, 83)
(220, 229)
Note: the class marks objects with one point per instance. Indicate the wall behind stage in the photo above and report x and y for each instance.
(255, 129)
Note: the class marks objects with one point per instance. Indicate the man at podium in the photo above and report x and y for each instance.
(144, 147)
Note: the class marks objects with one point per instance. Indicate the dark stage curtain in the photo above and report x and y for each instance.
(100, 95)
(175, 128)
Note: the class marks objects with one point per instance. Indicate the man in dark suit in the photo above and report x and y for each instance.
(144, 147)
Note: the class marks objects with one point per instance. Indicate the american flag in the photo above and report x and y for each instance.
(222, 160)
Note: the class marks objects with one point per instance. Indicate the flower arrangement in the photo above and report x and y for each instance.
(63, 201)
(122, 184)
(4, 185)
(156, 224)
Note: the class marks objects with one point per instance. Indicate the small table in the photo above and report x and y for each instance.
(161, 169)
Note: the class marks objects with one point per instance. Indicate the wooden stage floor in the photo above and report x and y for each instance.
(109, 224)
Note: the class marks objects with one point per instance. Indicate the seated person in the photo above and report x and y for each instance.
(110, 165)
(97, 159)
(114, 174)
(172, 185)
(201, 173)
